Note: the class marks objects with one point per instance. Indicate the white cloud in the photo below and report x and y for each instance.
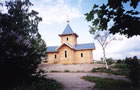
(119, 49)
(3, 8)
(51, 43)
(56, 12)
(127, 44)
(135, 53)
(1, 1)
(79, 3)
(48, 1)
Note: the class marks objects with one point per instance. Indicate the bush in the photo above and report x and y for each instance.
(54, 71)
(39, 84)
(122, 70)
(46, 84)
(119, 61)
(103, 69)
(99, 62)
(134, 67)
(109, 61)
(120, 66)
(66, 71)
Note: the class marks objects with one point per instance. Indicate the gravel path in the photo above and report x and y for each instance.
(73, 81)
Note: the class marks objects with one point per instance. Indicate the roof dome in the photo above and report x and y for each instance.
(67, 30)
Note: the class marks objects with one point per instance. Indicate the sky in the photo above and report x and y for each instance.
(54, 14)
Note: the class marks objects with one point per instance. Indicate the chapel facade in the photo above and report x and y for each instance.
(69, 52)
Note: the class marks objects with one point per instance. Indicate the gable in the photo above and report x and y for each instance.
(64, 45)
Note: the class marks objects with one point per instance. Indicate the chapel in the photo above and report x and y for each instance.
(70, 52)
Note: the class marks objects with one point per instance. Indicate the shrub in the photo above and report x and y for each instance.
(66, 71)
(102, 69)
(120, 66)
(40, 84)
(109, 61)
(46, 84)
(134, 67)
(119, 61)
(54, 71)
(122, 70)
(99, 62)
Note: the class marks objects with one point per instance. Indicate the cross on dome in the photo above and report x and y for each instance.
(68, 20)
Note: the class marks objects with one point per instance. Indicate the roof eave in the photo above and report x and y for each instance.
(51, 51)
(85, 49)
(68, 34)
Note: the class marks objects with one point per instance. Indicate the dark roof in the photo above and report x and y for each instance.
(77, 47)
(52, 49)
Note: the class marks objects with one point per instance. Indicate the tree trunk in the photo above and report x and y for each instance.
(105, 58)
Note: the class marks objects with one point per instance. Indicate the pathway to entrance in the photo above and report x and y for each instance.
(73, 81)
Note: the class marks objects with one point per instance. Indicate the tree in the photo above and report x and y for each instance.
(1, 6)
(104, 38)
(125, 21)
(21, 46)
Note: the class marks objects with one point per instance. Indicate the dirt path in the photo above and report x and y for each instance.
(73, 81)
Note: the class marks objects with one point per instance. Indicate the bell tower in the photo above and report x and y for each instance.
(68, 36)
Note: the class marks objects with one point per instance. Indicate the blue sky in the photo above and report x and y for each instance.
(54, 14)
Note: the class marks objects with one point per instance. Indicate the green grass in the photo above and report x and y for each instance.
(98, 62)
(121, 70)
(42, 84)
(110, 84)
(120, 66)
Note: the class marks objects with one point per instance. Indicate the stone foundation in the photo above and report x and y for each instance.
(70, 67)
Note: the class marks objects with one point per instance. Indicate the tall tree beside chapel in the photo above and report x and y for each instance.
(21, 45)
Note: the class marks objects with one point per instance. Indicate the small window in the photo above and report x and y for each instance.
(65, 54)
(81, 54)
(67, 38)
(55, 56)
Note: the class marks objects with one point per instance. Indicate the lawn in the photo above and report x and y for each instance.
(117, 69)
(110, 84)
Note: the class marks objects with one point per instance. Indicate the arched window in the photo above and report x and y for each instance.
(55, 56)
(65, 54)
(67, 38)
(81, 54)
